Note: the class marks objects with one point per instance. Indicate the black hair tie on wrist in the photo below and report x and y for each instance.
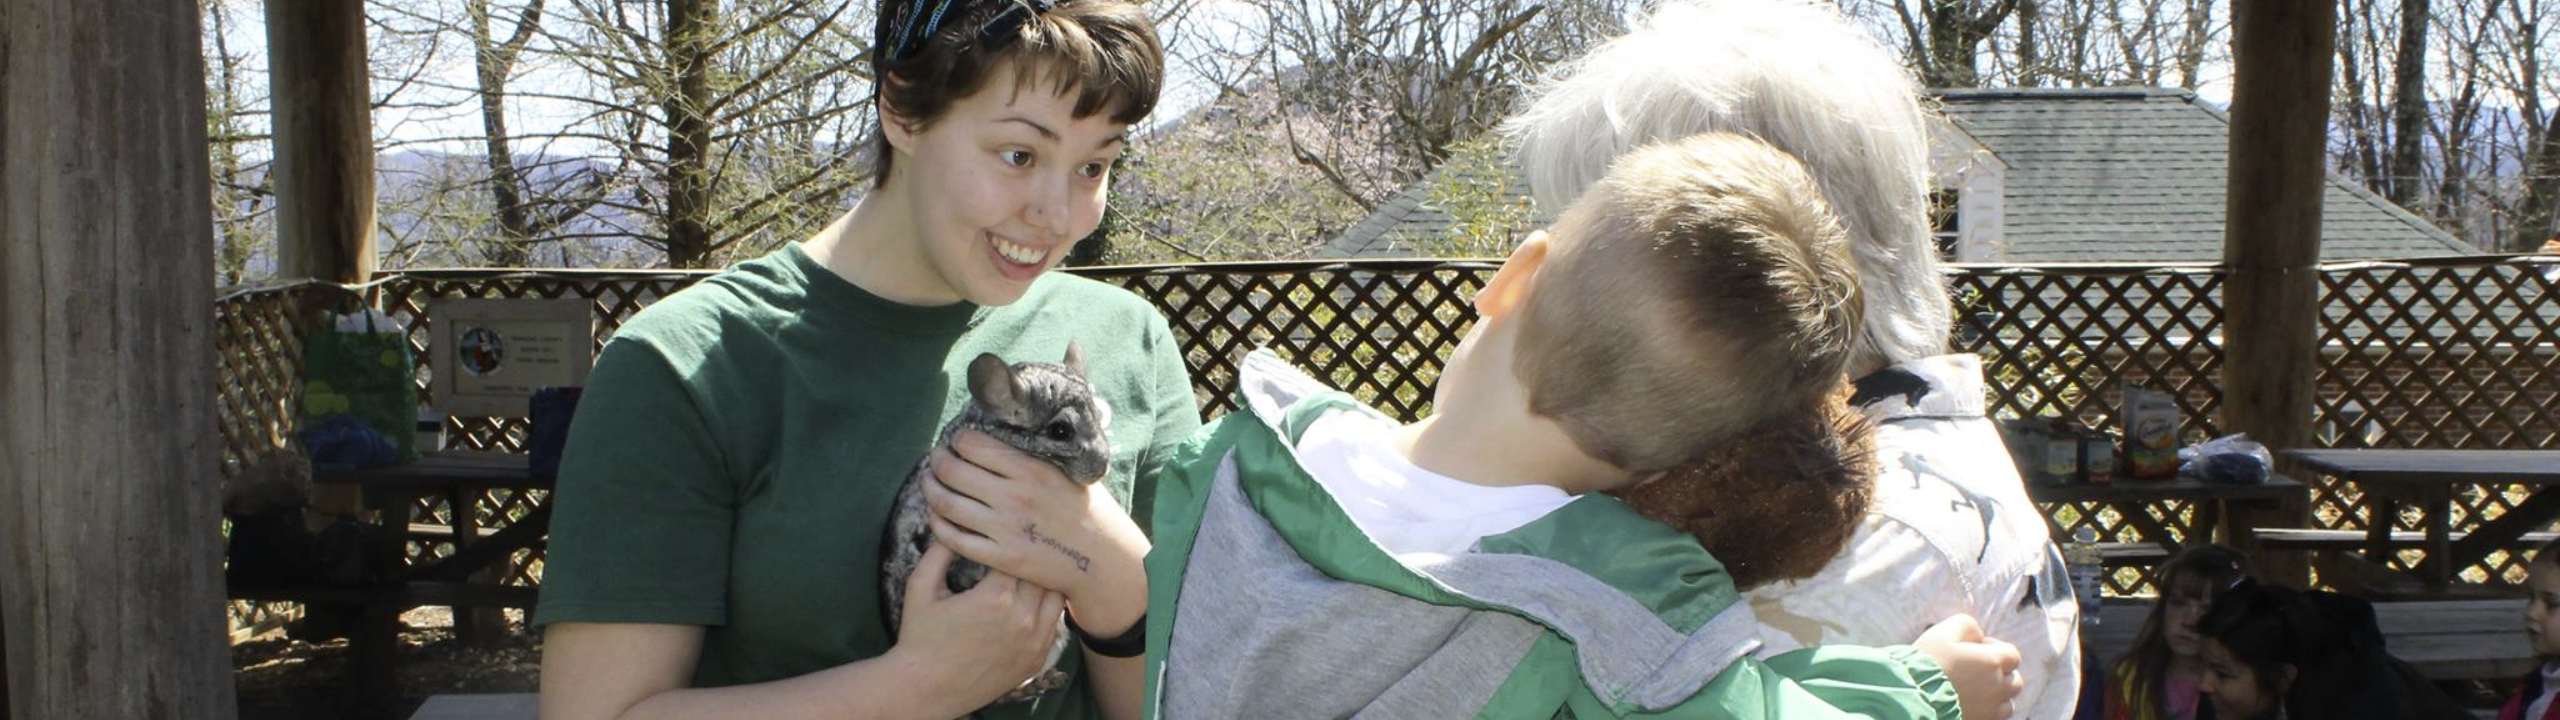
(1128, 645)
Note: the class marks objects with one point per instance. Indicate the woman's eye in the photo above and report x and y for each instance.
(1016, 158)
(1092, 169)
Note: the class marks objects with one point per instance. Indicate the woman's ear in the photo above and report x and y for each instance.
(2285, 675)
(1511, 285)
(895, 126)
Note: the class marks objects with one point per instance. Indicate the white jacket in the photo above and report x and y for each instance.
(1950, 530)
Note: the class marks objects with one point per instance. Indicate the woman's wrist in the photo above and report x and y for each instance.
(1114, 598)
(931, 679)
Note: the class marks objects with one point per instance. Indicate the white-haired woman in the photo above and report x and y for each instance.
(1950, 529)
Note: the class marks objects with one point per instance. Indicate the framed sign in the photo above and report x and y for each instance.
(490, 355)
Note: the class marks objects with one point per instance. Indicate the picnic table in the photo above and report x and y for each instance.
(2445, 639)
(2390, 476)
(2228, 512)
(459, 476)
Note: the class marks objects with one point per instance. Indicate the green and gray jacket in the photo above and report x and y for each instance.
(1266, 601)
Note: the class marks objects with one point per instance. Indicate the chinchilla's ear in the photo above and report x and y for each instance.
(1075, 358)
(991, 381)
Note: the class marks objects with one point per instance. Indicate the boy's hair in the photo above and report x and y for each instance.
(927, 54)
(1699, 288)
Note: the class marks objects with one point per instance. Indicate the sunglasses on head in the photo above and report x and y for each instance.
(998, 30)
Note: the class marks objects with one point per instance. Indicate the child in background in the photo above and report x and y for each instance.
(2158, 679)
(2270, 655)
(2542, 629)
(2274, 653)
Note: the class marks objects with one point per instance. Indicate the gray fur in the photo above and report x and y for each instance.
(1046, 410)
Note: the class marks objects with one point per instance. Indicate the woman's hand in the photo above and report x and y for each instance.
(974, 646)
(1984, 670)
(1021, 516)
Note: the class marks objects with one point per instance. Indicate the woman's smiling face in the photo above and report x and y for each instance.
(1002, 185)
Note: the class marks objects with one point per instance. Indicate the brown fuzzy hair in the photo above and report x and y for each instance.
(1780, 501)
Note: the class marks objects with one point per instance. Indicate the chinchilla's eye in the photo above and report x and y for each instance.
(1059, 430)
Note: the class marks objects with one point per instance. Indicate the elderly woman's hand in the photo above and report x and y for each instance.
(1021, 516)
(1983, 669)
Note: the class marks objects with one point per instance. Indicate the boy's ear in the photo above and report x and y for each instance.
(1510, 286)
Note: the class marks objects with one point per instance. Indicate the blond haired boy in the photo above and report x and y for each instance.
(1314, 558)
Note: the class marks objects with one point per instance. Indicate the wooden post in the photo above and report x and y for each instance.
(110, 544)
(323, 128)
(2271, 240)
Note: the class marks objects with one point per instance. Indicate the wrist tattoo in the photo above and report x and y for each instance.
(1083, 564)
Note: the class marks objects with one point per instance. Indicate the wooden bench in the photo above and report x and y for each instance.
(2445, 639)
(2132, 554)
(2323, 539)
(2429, 479)
(2340, 556)
(433, 532)
(398, 597)
(509, 706)
(2225, 513)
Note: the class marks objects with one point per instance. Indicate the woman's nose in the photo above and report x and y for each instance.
(1048, 208)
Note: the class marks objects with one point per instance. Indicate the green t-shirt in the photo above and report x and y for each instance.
(739, 444)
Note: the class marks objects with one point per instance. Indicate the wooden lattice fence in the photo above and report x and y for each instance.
(2065, 341)
(616, 295)
(2432, 354)
(2438, 354)
(258, 363)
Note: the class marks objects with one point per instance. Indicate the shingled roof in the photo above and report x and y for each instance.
(2130, 175)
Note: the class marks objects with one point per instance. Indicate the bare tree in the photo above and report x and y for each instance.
(2462, 134)
(1374, 92)
(2466, 27)
(2197, 42)
(526, 213)
(2386, 108)
(1945, 36)
(698, 99)
(2526, 25)
(2362, 36)
(243, 194)
(2408, 104)
(2065, 43)
(1220, 184)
